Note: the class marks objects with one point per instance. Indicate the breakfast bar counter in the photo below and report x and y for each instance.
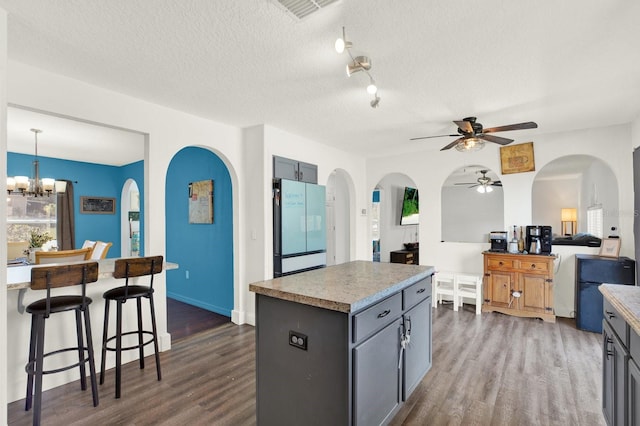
(341, 345)
(20, 295)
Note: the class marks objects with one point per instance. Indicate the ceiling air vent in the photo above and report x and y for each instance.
(303, 8)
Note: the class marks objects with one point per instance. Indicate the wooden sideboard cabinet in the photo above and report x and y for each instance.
(530, 276)
(409, 257)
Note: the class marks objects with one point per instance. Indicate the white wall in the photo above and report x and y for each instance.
(469, 216)
(429, 170)
(597, 182)
(3, 213)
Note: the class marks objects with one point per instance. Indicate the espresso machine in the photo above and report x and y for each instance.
(498, 241)
(538, 239)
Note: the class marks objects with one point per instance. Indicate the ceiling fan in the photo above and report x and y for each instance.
(473, 136)
(484, 183)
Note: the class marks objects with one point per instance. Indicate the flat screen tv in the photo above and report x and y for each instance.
(410, 214)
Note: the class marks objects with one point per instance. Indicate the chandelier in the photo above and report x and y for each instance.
(35, 186)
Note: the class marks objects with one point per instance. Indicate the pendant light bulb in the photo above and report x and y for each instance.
(342, 43)
(372, 89)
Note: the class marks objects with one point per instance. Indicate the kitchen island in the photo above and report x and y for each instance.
(621, 354)
(342, 345)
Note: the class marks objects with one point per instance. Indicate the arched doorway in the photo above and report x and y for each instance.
(204, 251)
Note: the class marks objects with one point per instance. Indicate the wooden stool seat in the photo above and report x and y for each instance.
(130, 268)
(46, 278)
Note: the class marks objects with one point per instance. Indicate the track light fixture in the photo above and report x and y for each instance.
(358, 63)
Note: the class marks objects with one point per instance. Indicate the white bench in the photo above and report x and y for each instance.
(457, 286)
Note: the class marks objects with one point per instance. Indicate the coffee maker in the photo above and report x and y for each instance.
(538, 239)
(498, 241)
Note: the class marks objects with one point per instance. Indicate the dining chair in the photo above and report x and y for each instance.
(15, 249)
(62, 256)
(100, 250)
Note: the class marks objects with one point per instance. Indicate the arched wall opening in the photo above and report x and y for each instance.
(204, 251)
(392, 235)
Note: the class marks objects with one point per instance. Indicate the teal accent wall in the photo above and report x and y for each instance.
(92, 180)
(203, 251)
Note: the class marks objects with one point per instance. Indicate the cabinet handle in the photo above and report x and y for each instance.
(533, 266)
(500, 263)
(609, 352)
(384, 314)
(611, 315)
(422, 290)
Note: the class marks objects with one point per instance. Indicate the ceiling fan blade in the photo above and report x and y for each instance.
(452, 144)
(465, 126)
(496, 183)
(496, 139)
(429, 137)
(465, 183)
(519, 126)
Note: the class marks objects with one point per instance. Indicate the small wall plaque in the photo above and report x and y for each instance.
(517, 158)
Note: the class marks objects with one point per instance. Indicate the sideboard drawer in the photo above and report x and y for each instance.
(534, 266)
(501, 263)
(376, 317)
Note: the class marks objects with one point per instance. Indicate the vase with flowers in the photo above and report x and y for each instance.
(36, 239)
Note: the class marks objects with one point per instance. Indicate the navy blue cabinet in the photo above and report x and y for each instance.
(591, 271)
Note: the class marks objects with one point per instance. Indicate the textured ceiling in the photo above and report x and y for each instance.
(566, 65)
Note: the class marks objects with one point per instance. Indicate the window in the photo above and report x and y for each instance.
(595, 221)
(27, 213)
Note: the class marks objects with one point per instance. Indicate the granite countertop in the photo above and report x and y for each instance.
(19, 277)
(347, 287)
(626, 299)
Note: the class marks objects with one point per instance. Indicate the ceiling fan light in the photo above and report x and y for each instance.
(481, 189)
(470, 144)
(489, 189)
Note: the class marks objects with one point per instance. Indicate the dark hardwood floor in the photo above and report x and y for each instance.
(491, 369)
(184, 320)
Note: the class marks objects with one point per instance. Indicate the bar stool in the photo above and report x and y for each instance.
(46, 278)
(129, 268)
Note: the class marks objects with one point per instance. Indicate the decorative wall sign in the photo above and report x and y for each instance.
(97, 205)
(517, 158)
(201, 201)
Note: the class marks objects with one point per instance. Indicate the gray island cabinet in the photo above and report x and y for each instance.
(621, 355)
(342, 345)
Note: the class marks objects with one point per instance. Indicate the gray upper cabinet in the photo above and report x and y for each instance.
(285, 168)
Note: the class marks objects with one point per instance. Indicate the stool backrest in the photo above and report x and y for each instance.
(44, 277)
(137, 266)
(61, 256)
(48, 277)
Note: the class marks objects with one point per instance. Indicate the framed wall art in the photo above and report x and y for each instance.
(201, 201)
(517, 158)
(610, 247)
(97, 205)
